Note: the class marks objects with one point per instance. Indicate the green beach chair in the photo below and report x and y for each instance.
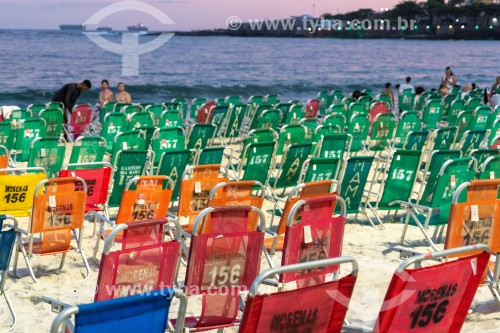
(35, 109)
(454, 110)
(490, 168)
(167, 139)
(196, 105)
(210, 155)
(408, 122)
(53, 120)
(382, 133)
(472, 140)
(269, 119)
(295, 115)
(334, 146)
(88, 149)
(316, 169)
(26, 132)
(173, 164)
(444, 138)
(290, 135)
(135, 140)
(257, 161)
(139, 120)
(415, 140)
(406, 100)
(481, 155)
(473, 103)
(336, 120)
(170, 118)
(47, 153)
(432, 114)
(201, 136)
(220, 116)
(310, 125)
(358, 128)
(182, 105)
(114, 123)
(235, 121)
(156, 111)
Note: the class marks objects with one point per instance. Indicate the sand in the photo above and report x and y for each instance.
(361, 241)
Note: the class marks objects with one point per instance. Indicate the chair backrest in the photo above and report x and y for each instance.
(220, 117)
(472, 140)
(416, 140)
(310, 125)
(432, 114)
(490, 169)
(319, 311)
(382, 133)
(406, 100)
(167, 139)
(148, 312)
(201, 135)
(312, 233)
(47, 153)
(157, 111)
(475, 219)
(257, 161)
(27, 131)
(239, 193)
(88, 149)
(154, 265)
(58, 208)
(359, 126)
(173, 164)
(315, 169)
(54, 121)
(235, 121)
(139, 120)
(8, 234)
(409, 122)
(7, 135)
(17, 190)
(149, 200)
(400, 177)
(482, 154)
(210, 155)
(194, 192)
(353, 181)
(97, 177)
(113, 124)
(444, 138)
(127, 165)
(130, 140)
(290, 135)
(228, 258)
(291, 166)
(81, 117)
(434, 298)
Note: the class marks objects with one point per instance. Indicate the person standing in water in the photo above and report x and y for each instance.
(122, 96)
(105, 95)
(449, 80)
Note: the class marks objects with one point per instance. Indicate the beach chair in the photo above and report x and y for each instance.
(17, 190)
(327, 130)
(107, 108)
(397, 183)
(456, 106)
(146, 312)
(195, 191)
(26, 132)
(97, 177)
(201, 136)
(113, 124)
(156, 111)
(416, 140)
(47, 153)
(479, 119)
(256, 162)
(382, 133)
(473, 103)
(167, 139)
(139, 120)
(53, 120)
(8, 234)
(173, 164)
(88, 149)
(356, 108)
(482, 154)
(171, 118)
(7, 135)
(210, 155)
(128, 109)
(472, 140)
(220, 117)
(36, 108)
(434, 298)
(284, 108)
(406, 100)
(310, 125)
(336, 119)
(294, 115)
(432, 114)
(490, 168)
(301, 191)
(80, 122)
(224, 258)
(119, 276)
(433, 208)
(474, 220)
(134, 140)
(196, 104)
(353, 179)
(258, 136)
(358, 128)
(204, 114)
(290, 135)
(235, 121)
(143, 198)
(443, 138)
(315, 169)
(288, 173)
(408, 122)
(127, 165)
(58, 211)
(262, 311)
(239, 193)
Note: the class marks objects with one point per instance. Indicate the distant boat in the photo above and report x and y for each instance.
(72, 27)
(104, 29)
(137, 28)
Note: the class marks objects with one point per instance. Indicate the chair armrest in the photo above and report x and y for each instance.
(102, 219)
(57, 306)
(271, 232)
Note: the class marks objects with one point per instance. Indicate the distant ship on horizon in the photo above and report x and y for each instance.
(72, 27)
(104, 29)
(137, 28)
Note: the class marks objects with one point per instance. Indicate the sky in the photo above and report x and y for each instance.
(186, 14)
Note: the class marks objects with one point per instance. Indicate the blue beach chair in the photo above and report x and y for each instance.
(7, 239)
(138, 313)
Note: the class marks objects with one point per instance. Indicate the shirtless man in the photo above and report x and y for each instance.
(105, 95)
(122, 96)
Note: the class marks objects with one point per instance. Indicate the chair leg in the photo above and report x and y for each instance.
(97, 242)
(11, 310)
(28, 264)
(405, 228)
(86, 263)
(63, 259)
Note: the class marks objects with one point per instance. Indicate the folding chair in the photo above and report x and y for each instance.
(290, 167)
(434, 207)
(210, 155)
(334, 146)
(358, 128)
(54, 121)
(81, 118)
(315, 169)
(173, 164)
(482, 154)
(415, 140)
(310, 125)
(8, 233)
(235, 121)
(256, 162)
(472, 140)
(17, 190)
(113, 124)
(97, 177)
(353, 179)
(224, 258)
(139, 120)
(433, 298)
(406, 100)
(455, 108)
(171, 118)
(150, 199)
(239, 193)
(194, 192)
(397, 182)
(301, 191)
(290, 135)
(47, 153)
(147, 313)
(490, 169)
(319, 311)
(145, 262)
(167, 140)
(432, 114)
(432, 167)
(26, 132)
(58, 210)
(220, 117)
(382, 133)
(156, 110)
(444, 138)
(126, 166)
(88, 149)
(35, 109)
(201, 136)
(130, 140)
(475, 220)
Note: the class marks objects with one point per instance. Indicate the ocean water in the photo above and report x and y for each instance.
(34, 64)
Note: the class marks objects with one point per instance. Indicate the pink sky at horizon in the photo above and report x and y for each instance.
(187, 14)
